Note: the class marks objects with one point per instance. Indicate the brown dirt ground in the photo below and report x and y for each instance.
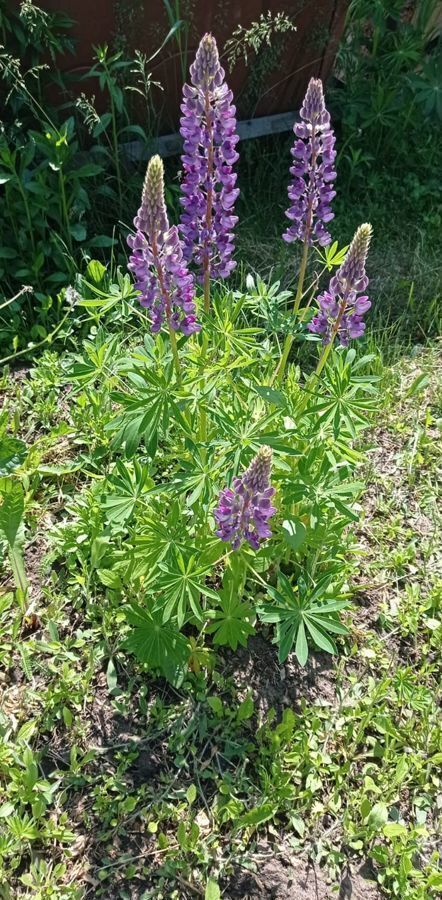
(292, 878)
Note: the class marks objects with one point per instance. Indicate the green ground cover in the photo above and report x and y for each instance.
(254, 779)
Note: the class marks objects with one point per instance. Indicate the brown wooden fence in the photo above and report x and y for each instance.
(274, 81)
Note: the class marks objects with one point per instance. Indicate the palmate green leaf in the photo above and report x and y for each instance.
(158, 539)
(301, 613)
(321, 487)
(12, 507)
(241, 436)
(150, 406)
(181, 585)
(136, 424)
(99, 359)
(119, 508)
(232, 341)
(158, 645)
(231, 623)
(23, 827)
(427, 86)
(131, 482)
(345, 407)
(294, 533)
(332, 255)
(196, 477)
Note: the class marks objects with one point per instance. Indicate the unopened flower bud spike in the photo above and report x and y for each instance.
(341, 308)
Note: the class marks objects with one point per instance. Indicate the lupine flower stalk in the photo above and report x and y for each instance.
(161, 274)
(208, 127)
(311, 188)
(343, 304)
(244, 509)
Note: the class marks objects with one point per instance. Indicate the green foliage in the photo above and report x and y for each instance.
(155, 643)
(239, 748)
(264, 40)
(12, 507)
(59, 166)
(258, 35)
(299, 612)
(12, 454)
(152, 403)
(388, 97)
(231, 621)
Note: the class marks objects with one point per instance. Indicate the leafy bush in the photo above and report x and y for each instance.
(388, 96)
(61, 165)
(233, 488)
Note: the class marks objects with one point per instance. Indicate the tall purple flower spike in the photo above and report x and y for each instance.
(341, 310)
(311, 188)
(208, 126)
(244, 509)
(161, 273)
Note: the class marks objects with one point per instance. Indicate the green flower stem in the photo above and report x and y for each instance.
(26, 289)
(326, 350)
(176, 359)
(279, 374)
(203, 414)
(302, 271)
(45, 340)
(166, 298)
(207, 289)
(310, 384)
(65, 211)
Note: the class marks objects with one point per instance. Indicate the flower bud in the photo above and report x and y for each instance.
(152, 215)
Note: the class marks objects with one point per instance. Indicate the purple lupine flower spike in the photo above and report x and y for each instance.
(311, 189)
(208, 127)
(161, 273)
(341, 309)
(244, 509)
